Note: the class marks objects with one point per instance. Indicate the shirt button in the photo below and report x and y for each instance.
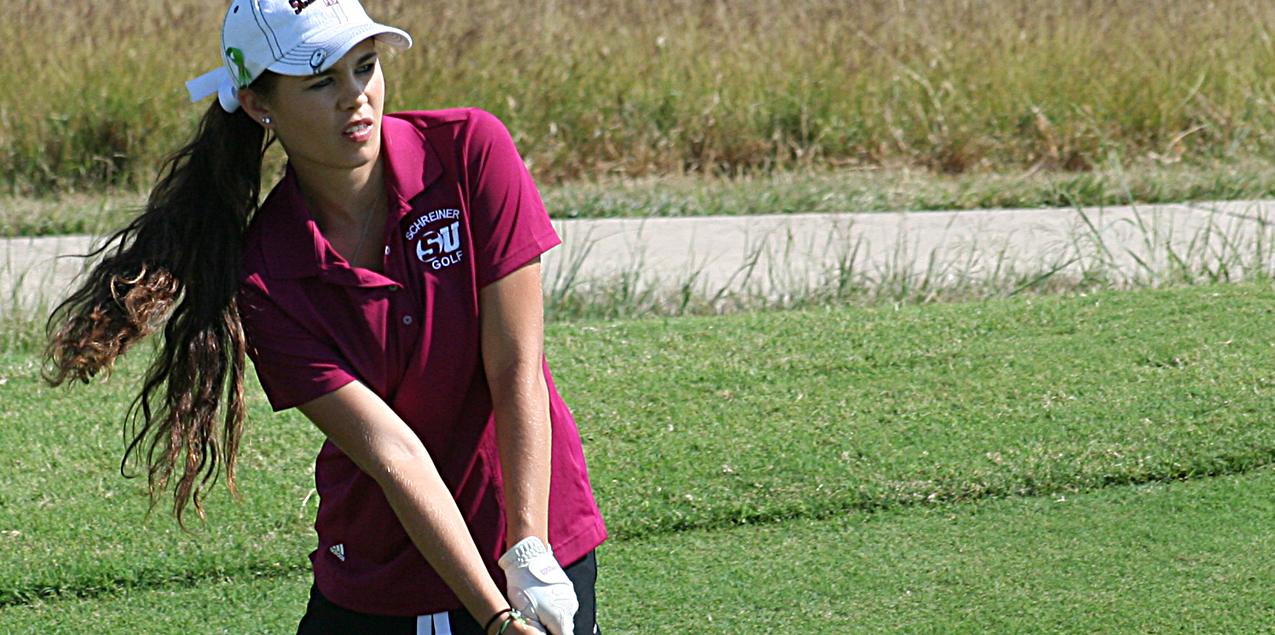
(387, 250)
(395, 287)
(407, 319)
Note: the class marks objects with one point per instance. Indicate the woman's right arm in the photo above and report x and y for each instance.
(361, 424)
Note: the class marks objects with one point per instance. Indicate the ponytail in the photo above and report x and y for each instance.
(176, 266)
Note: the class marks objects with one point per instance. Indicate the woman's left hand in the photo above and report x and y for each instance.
(538, 587)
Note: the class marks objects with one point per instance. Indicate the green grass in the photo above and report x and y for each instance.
(230, 605)
(762, 416)
(625, 88)
(810, 191)
(1161, 558)
(82, 529)
(887, 190)
(68, 213)
(1193, 557)
(703, 425)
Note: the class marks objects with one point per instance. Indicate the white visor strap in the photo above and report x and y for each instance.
(215, 82)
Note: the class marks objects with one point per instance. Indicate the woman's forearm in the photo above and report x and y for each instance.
(525, 436)
(429, 515)
(378, 441)
(512, 321)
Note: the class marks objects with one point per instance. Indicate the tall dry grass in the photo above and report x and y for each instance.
(91, 92)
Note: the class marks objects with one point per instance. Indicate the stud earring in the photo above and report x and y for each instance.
(266, 120)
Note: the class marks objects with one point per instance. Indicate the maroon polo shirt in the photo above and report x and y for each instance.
(463, 212)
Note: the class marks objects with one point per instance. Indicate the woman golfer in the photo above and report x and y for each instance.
(389, 288)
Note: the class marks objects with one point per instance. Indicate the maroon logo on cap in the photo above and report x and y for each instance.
(299, 5)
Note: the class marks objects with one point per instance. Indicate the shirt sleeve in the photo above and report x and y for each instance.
(293, 365)
(508, 221)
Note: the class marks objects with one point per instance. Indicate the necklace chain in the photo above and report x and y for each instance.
(380, 194)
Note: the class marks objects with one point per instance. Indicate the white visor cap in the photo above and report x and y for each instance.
(289, 37)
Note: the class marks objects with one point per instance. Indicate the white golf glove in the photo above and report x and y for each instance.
(539, 588)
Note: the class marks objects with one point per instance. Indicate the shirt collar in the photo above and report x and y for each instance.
(296, 248)
(293, 246)
(411, 164)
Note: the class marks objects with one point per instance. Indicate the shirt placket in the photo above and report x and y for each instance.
(404, 317)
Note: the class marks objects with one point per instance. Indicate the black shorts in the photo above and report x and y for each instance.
(322, 617)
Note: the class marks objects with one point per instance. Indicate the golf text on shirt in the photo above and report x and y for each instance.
(437, 236)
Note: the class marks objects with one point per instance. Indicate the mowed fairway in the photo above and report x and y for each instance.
(1069, 464)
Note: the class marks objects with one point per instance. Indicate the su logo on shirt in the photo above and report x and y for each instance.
(437, 236)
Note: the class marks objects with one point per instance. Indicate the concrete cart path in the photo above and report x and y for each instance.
(774, 255)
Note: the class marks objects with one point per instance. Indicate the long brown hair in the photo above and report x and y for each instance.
(176, 267)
